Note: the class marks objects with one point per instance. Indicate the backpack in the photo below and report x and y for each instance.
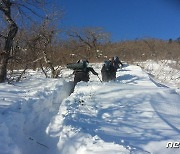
(107, 65)
(80, 65)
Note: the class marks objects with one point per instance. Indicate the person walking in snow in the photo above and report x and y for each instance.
(117, 62)
(110, 68)
(108, 71)
(83, 74)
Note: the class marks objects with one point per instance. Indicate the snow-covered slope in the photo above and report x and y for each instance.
(166, 71)
(26, 109)
(133, 114)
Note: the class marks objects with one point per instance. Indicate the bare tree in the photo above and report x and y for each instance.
(10, 10)
(46, 38)
(5, 7)
(89, 38)
(39, 46)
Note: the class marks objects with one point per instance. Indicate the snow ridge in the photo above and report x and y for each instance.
(24, 121)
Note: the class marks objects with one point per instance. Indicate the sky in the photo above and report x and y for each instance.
(125, 19)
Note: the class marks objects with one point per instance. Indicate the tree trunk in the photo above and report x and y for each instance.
(12, 31)
(5, 56)
(3, 67)
(49, 63)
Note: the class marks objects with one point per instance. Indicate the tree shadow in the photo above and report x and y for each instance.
(127, 78)
(124, 120)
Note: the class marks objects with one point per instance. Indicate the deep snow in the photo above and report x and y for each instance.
(134, 114)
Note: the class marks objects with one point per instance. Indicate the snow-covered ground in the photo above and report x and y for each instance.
(134, 114)
(166, 71)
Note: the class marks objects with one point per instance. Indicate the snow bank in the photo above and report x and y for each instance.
(25, 111)
(166, 71)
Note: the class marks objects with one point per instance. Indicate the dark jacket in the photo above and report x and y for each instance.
(108, 74)
(83, 75)
(117, 62)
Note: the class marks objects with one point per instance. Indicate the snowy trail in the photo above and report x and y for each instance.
(131, 112)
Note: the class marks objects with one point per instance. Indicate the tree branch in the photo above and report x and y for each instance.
(28, 8)
(81, 39)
